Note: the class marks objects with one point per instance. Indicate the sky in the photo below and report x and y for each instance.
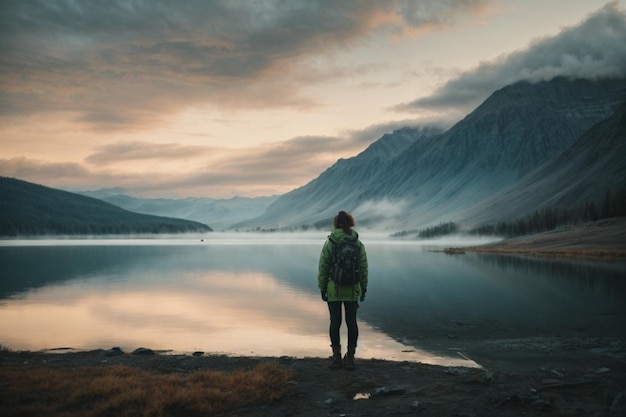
(258, 97)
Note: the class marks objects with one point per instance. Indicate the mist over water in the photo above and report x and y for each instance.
(257, 294)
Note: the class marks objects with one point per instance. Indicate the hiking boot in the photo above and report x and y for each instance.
(348, 360)
(336, 358)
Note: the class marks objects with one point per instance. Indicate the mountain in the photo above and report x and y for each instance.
(442, 177)
(347, 180)
(28, 209)
(588, 169)
(219, 213)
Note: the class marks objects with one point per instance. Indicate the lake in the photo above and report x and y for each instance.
(256, 294)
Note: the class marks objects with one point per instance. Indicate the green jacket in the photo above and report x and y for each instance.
(349, 293)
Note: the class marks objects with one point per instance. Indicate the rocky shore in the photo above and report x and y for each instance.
(584, 381)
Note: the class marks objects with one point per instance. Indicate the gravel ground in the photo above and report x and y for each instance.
(386, 388)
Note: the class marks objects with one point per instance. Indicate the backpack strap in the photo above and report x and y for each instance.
(333, 251)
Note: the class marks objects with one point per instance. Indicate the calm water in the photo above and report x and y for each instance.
(249, 294)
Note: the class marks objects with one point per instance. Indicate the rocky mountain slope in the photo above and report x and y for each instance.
(348, 180)
(442, 177)
(583, 172)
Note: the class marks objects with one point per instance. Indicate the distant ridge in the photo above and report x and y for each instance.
(28, 209)
(219, 213)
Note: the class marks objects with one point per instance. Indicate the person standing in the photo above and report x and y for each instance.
(341, 293)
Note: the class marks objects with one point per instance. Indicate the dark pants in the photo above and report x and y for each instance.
(335, 322)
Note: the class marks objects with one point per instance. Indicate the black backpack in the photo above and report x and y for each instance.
(345, 261)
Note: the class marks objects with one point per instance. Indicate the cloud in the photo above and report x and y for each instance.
(367, 135)
(178, 170)
(292, 162)
(384, 207)
(96, 66)
(437, 13)
(40, 170)
(123, 64)
(596, 48)
(129, 151)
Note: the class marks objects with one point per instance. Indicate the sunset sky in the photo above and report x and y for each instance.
(251, 98)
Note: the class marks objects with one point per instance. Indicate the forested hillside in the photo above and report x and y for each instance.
(28, 209)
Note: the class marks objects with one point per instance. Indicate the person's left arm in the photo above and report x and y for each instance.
(323, 268)
(363, 266)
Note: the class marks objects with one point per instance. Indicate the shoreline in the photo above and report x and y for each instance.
(381, 387)
(600, 254)
(603, 240)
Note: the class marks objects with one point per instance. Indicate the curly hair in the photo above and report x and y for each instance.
(344, 221)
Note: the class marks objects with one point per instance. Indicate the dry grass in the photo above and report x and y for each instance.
(127, 391)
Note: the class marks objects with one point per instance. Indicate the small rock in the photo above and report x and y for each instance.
(385, 391)
(543, 405)
(143, 351)
(550, 381)
(415, 405)
(456, 370)
(198, 353)
(115, 351)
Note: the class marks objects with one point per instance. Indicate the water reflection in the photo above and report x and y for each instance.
(423, 293)
(259, 296)
(239, 299)
(607, 278)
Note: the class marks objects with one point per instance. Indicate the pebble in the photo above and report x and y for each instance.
(143, 351)
(115, 351)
